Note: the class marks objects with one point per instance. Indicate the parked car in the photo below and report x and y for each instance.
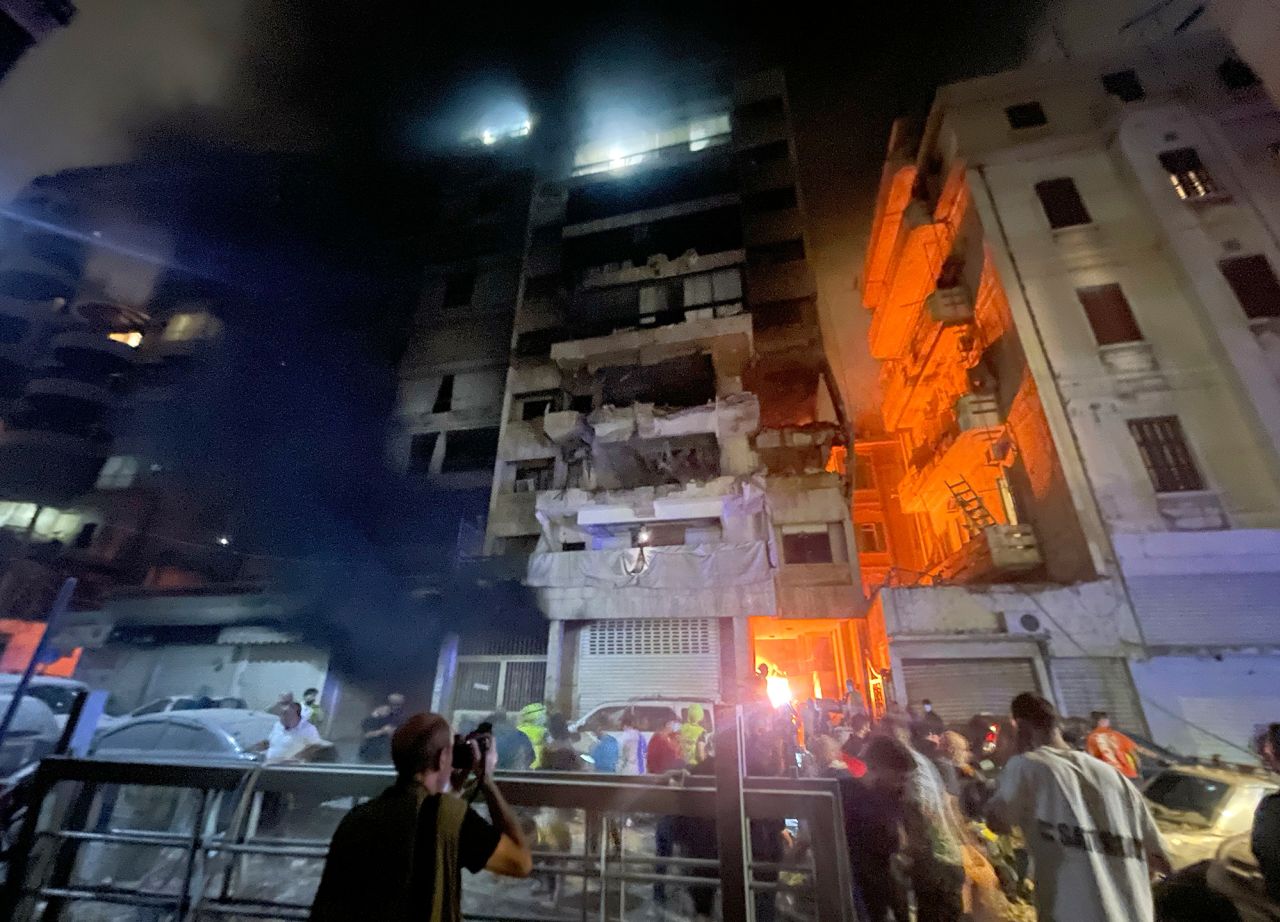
(1234, 874)
(177, 735)
(32, 735)
(173, 703)
(1197, 807)
(650, 715)
(58, 693)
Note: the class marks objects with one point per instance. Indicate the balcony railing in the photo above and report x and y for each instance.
(223, 840)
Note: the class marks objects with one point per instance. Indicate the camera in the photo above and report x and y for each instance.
(464, 757)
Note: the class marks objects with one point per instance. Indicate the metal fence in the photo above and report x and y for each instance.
(108, 841)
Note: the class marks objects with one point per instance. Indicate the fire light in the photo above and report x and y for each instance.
(778, 689)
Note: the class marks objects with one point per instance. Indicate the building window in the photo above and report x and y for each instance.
(871, 538)
(1124, 85)
(536, 406)
(444, 396)
(1062, 203)
(1165, 453)
(422, 447)
(532, 476)
(469, 450)
(1236, 75)
(1026, 115)
(712, 288)
(458, 288)
(864, 473)
(1189, 177)
(118, 473)
(1254, 283)
(770, 200)
(806, 544)
(1109, 314)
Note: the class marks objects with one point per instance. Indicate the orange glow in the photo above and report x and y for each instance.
(778, 689)
(23, 638)
(837, 461)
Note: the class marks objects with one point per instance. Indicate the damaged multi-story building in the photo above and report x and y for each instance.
(1073, 283)
(671, 459)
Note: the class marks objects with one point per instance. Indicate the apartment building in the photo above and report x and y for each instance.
(670, 460)
(1073, 280)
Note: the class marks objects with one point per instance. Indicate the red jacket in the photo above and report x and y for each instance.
(664, 754)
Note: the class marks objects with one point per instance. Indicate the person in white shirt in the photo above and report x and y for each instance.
(630, 747)
(1092, 839)
(290, 737)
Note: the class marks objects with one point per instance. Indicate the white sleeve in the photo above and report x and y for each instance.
(312, 735)
(1009, 790)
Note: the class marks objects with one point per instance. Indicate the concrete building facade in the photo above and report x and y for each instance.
(670, 466)
(1075, 292)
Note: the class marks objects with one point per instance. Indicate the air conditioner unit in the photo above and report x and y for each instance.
(1023, 623)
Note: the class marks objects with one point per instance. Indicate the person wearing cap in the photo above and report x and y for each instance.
(399, 857)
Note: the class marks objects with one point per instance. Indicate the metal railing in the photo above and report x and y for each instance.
(192, 842)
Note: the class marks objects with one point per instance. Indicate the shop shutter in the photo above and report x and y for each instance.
(477, 688)
(960, 688)
(640, 658)
(525, 683)
(1097, 683)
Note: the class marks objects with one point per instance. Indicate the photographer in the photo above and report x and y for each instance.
(400, 855)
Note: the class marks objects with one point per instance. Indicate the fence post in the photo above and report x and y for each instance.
(731, 827)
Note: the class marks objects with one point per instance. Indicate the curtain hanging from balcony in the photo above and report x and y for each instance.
(682, 567)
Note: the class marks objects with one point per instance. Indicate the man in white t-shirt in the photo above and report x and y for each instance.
(291, 736)
(1092, 839)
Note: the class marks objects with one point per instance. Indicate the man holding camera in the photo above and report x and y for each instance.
(400, 855)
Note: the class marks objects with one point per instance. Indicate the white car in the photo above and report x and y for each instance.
(58, 693)
(1197, 807)
(650, 715)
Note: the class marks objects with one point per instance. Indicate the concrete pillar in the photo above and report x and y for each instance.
(555, 660)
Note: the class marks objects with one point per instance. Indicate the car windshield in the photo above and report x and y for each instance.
(60, 698)
(1185, 798)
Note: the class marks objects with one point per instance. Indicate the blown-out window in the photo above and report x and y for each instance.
(1165, 452)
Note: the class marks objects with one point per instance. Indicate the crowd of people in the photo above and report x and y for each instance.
(1002, 818)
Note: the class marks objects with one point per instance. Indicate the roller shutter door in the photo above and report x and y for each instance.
(637, 658)
(960, 688)
(1097, 683)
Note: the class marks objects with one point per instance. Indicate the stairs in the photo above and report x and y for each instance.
(975, 511)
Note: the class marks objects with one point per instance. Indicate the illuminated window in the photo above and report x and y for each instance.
(871, 538)
(132, 338)
(118, 473)
(17, 515)
(1026, 115)
(1254, 283)
(1109, 314)
(1124, 85)
(1062, 203)
(1164, 451)
(1189, 177)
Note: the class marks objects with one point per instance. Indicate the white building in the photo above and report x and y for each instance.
(1127, 209)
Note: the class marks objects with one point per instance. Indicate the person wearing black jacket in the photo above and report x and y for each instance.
(1266, 821)
(399, 856)
(873, 822)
